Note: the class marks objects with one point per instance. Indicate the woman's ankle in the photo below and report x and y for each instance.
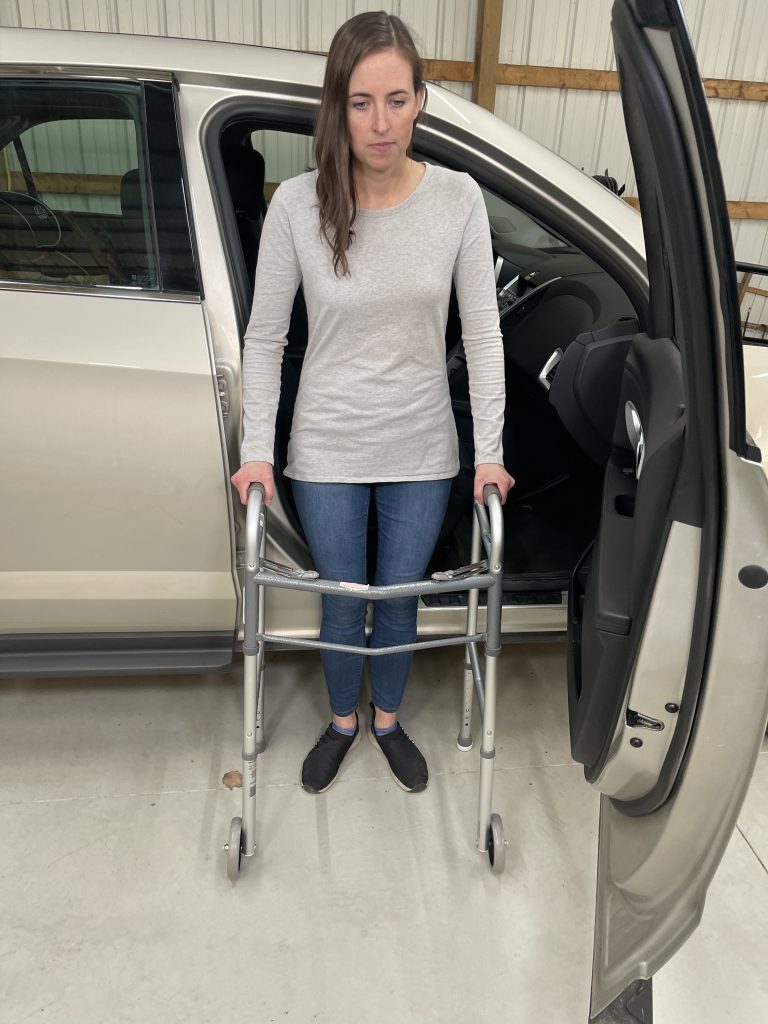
(384, 719)
(345, 721)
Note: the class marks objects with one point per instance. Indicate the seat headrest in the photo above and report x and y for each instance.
(245, 175)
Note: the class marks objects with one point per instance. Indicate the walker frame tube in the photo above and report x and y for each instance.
(472, 676)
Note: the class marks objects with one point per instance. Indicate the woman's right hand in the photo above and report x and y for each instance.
(254, 473)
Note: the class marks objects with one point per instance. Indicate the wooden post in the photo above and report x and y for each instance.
(744, 286)
(487, 43)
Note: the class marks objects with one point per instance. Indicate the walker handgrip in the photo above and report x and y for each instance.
(254, 523)
(490, 518)
(488, 490)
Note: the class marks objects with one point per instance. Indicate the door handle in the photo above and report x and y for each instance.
(636, 436)
(547, 374)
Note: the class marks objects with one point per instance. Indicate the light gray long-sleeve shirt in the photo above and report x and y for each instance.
(373, 401)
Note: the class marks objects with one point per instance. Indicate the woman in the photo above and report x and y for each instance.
(375, 239)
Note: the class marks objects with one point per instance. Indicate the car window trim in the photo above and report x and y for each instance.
(164, 162)
(275, 113)
(91, 71)
(104, 291)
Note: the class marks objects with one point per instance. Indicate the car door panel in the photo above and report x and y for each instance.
(625, 560)
(654, 871)
(668, 658)
(118, 552)
(116, 517)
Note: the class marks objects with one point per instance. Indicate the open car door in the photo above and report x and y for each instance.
(668, 646)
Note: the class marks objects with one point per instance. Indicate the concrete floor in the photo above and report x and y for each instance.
(365, 905)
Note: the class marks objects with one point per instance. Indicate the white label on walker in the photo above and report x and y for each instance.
(354, 586)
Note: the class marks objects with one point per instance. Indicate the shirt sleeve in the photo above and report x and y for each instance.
(476, 293)
(278, 275)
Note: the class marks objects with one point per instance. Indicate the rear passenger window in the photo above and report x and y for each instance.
(75, 197)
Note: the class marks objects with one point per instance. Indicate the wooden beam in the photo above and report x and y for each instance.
(738, 209)
(608, 81)
(744, 286)
(576, 78)
(745, 209)
(557, 78)
(756, 291)
(60, 183)
(730, 89)
(449, 70)
(487, 42)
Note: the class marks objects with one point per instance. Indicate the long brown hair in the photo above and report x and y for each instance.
(357, 38)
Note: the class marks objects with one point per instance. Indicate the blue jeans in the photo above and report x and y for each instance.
(335, 522)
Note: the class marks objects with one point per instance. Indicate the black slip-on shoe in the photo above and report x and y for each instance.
(321, 765)
(405, 760)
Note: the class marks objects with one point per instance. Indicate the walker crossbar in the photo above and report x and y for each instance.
(369, 652)
(260, 574)
(364, 592)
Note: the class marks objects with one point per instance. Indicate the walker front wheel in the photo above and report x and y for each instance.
(497, 845)
(234, 849)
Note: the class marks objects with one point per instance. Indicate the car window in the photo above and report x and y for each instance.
(286, 154)
(509, 224)
(74, 197)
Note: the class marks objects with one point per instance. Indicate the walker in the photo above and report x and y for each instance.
(260, 573)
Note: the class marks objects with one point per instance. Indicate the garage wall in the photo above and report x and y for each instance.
(586, 127)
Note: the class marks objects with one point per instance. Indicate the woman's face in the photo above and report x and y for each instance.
(382, 107)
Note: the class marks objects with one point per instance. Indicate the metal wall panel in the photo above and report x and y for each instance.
(443, 29)
(587, 128)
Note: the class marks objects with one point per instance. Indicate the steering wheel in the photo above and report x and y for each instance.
(22, 215)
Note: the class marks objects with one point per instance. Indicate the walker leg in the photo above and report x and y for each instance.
(261, 738)
(251, 689)
(487, 754)
(253, 700)
(490, 832)
(242, 832)
(464, 741)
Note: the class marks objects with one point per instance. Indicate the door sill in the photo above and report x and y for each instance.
(109, 654)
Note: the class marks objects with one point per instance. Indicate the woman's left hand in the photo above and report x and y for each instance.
(492, 473)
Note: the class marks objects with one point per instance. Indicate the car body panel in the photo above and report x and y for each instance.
(117, 519)
(654, 872)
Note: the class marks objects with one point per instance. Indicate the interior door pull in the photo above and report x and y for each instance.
(636, 436)
(548, 369)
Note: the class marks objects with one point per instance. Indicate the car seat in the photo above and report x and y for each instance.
(245, 170)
